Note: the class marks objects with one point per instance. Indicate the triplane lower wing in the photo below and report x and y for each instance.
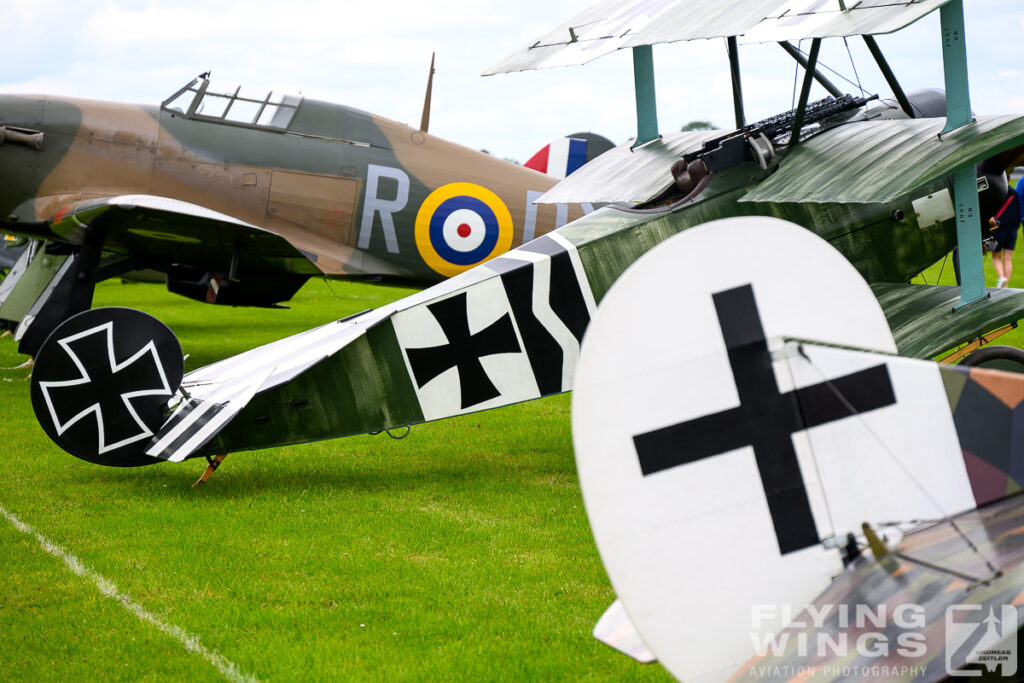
(733, 478)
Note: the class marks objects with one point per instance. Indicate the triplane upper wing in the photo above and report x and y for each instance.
(613, 25)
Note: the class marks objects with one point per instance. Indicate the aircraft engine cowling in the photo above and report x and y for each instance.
(248, 290)
(928, 102)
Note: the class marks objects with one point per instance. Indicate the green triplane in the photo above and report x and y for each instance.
(509, 330)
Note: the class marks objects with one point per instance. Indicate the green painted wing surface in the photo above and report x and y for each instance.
(924, 323)
(868, 162)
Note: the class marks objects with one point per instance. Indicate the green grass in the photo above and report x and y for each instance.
(459, 553)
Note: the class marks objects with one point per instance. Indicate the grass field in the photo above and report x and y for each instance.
(459, 553)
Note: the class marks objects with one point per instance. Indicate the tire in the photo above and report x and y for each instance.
(995, 357)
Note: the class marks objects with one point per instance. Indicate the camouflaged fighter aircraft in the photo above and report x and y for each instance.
(240, 195)
(880, 186)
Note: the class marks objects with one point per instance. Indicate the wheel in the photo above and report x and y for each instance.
(995, 357)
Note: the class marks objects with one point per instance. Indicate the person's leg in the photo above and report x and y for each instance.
(997, 263)
(1007, 264)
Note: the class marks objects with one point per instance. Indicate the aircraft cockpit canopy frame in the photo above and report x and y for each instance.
(238, 105)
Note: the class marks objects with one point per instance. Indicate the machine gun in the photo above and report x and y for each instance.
(757, 141)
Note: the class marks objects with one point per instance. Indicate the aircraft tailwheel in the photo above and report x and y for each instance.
(996, 357)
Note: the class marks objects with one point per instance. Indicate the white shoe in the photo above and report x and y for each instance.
(1001, 282)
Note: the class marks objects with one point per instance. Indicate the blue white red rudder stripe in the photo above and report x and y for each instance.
(560, 157)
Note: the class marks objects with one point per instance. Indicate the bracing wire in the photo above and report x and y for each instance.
(835, 73)
(941, 268)
(938, 278)
(796, 73)
(853, 65)
(888, 451)
(327, 282)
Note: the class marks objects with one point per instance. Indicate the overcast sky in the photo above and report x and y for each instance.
(375, 55)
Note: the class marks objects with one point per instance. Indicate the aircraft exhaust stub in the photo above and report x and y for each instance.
(21, 136)
(101, 384)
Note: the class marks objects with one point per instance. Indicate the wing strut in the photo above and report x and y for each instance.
(646, 107)
(805, 89)
(737, 88)
(965, 184)
(818, 76)
(890, 77)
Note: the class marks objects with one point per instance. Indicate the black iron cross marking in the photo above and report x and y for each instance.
(463, 350)
(104, 389)
(765, 419)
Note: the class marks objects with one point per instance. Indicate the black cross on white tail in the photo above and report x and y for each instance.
(511, 333)
(463, 350)
(765, 419)
(101, 383)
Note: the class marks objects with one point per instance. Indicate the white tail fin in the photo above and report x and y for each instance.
(723, 467)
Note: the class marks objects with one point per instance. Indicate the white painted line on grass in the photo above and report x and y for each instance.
(190, 641)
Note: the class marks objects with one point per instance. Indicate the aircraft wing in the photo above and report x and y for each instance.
(864, 162)
(924, 325)
(167, 230)
(855, 162)
(612, 25)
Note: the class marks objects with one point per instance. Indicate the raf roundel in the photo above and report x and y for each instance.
(461, 225)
